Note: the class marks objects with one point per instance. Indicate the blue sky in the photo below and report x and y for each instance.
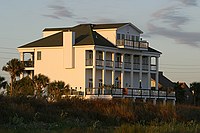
(171, 26)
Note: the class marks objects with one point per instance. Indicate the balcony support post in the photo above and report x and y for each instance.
(122, 71)
(94, 69)
(140, 74)
(104, 71)
(22, 59)
(149, 72)
(131, 71)
(157, 72)
(113, 70)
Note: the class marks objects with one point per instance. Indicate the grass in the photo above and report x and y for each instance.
(21, 114)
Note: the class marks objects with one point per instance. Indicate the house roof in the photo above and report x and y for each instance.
(153, 50)
(164, 81)
(116, 25)
(84, 36)
(50, 41)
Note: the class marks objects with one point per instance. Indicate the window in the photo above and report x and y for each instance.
(137, 38)
(123, 36)
(118, 36)
(38, 55)
(133, 38)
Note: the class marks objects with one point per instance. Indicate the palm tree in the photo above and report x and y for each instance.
(40, 81)
(3, 83)
(54, 89)
(24, 87)
(14, 67)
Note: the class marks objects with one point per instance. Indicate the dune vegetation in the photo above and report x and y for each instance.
(22, 114)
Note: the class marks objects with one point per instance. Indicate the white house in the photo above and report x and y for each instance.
(93, 55)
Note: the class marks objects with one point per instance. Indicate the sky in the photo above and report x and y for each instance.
(170, 26)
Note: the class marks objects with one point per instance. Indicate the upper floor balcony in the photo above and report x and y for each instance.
(124, 43)
(28, 63)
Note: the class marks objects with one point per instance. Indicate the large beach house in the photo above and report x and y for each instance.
(89, 56)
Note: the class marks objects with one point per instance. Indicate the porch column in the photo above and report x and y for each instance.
(21, 56)
(122, 71)
(157, 72)
(94, 69)
(140, 74)
(21, 59)
(113, 70)
(149, 72)
(104, 71)
(131, 71)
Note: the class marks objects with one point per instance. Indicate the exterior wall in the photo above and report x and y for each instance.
(108, 77)
(136, 80)
(127, 79)
(52, 65)
(109, 34)
(68, 50)
(128, 30)
(98, 77)
(88, 76)
(144, 81)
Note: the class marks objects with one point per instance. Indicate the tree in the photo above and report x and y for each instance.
(3, 83)
(24, 87)
(180, 93)
(41, 81)
(14, 67)
(195, 88)
(54, 89)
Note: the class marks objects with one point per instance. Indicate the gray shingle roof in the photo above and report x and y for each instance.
(50, 41)
(84, 35)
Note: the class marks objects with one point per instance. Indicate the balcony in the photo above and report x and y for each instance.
(145, 67)
(28, 63)
(118, 64)
(131, 93)
(127, 65)
(89, 62)
(153, 67)
(132, 44)
(109, 63)
(136, 66)
(99, 62)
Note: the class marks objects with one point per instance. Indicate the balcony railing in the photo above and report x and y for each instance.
(28, 63)
(118, 64)
(127, 65)
(89, 62)
(153, 67)
(144, 66)
(136, 66)
(99, 62)
(132, 44)
(109, 63)
(130, 93)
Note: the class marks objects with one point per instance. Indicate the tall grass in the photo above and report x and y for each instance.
(97, 114)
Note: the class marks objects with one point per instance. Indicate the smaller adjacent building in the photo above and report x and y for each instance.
(163, 83)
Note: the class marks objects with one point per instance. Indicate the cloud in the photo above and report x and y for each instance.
(169, 22)
(170, 15)
(59, 11)
(188, 2)
(180, 37)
